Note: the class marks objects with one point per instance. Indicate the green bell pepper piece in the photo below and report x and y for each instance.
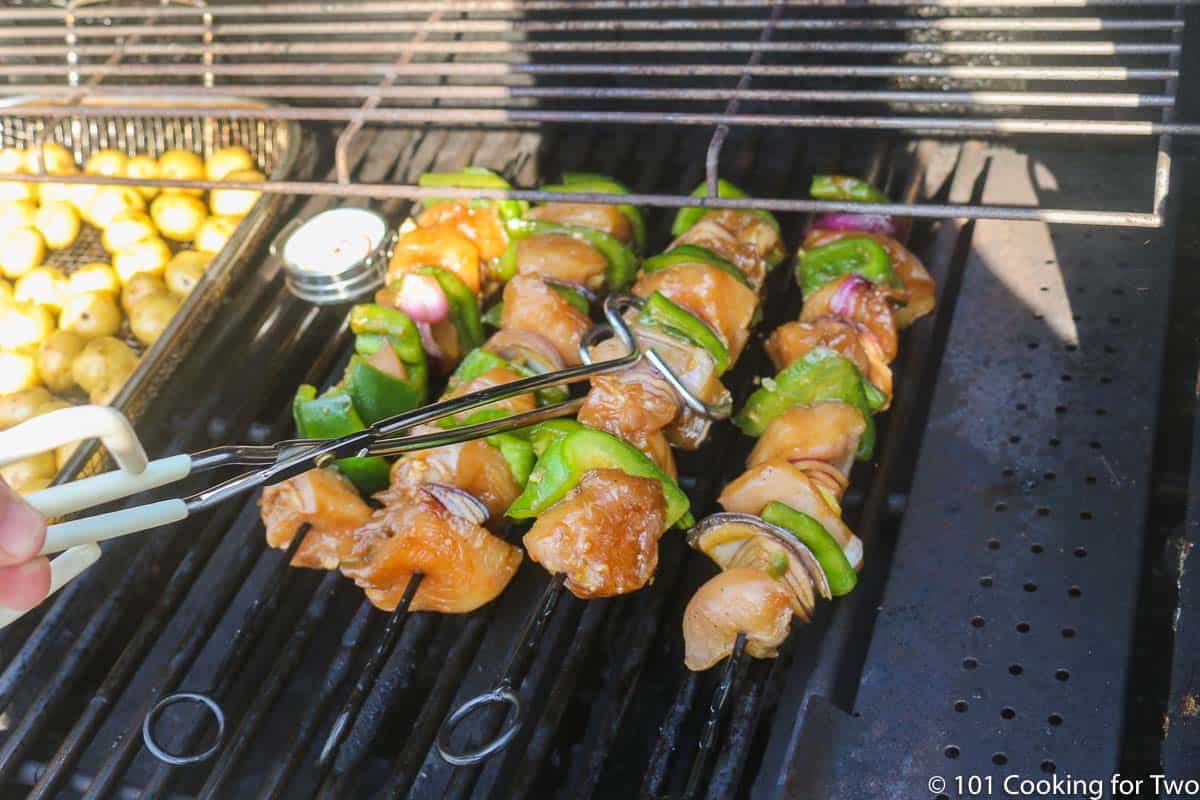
(686, 218)
(622, 262)
(574, 297)
(659, 312)
(854, 255)
(602, 184)
(333, 415)
(477, 362)
(517, 452)
(464, 307)
(842, 577)
(845, 189)
(822, 375)
(475, 178)
(375, 392)
(563, 464)
(692, 254)
(377, 395)
(544, 434)
(494, 315)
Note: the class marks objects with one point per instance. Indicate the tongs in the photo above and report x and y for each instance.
(77, 539)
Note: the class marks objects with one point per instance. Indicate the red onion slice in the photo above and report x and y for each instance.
(842, 302)
(459, 502)
(532, 349)
(422, 298)
(429, 343)
(886, 224)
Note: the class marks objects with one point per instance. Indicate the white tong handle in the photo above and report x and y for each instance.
(63, 570)
(135, 474)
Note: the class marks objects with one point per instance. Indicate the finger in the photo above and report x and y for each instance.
(24, 586)
(22, 529)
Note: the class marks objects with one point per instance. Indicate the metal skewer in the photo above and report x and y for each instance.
(716, 713)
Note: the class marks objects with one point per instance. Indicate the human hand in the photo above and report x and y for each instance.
(24, 576)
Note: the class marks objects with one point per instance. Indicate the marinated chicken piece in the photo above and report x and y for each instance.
(739, 600)
(603, 535)
(826, 432)
(607, 219)
(482, 226)
(719, 240)
(562, 258)
(861, 303)
(493, 377)
(717, 298)
(475, 467)
(635, 404)
(919, 294)
(437, 246)
(790, 484)
(464, 566)
(324, 500)
(794, 340)
(533, 305)
(753, 229)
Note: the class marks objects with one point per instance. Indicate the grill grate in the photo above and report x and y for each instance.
(1104, 68)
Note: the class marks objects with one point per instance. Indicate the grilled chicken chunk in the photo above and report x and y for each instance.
(860, 303)
(751, 228)
(826, 432)
(603, 535)
(482, 225)
(475, 467)
(919, 293)
(464, 566)
(717, 298)
(738, 600)
(607, 219)
(562, 258)
(794, 340)
(493, 377)
(717, 239)
(533, 305)
(329, 504)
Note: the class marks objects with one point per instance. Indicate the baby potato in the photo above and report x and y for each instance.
(17, 214)
(91, 315)
(185, 270)
(18, 372)
(58, 223)
(129, 227)
(20, 251)
(235, 202)
(148, 255)
(44, 286)
(225, 160)
(55, 356)
(30, 474)
(110, 163)
(149, 318)
(13, 160)
(6, 292)
(215, 232)
(143, 167)
(109, 201)
(102, 366)
(57, 160)
(24, 325)
(94, 277)
(181, 165)
(139, 287)
(178, 216)
(16, 407)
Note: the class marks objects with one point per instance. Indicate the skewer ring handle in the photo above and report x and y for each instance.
(175, 759)
(500, 695)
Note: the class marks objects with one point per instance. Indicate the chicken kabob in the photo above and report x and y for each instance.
(603, 491)
(781, 541)
(431, 543)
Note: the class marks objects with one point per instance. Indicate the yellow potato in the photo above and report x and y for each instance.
(30, 474)
(185, 270)
(13, 160)
(58, 222)
(129, 227)
(11, 191)
(148, 255)
(20, 251)
(17, 214)
(24, 325)
(94, 277)
(102, 367)
(108, 202)
(57, 160)
(181, 165)
(139, 287)
(178, 216)
(236, 202)
(143, 167)
(44, 286)
(91, 315)
(225, 160)
(6, 292)
(55, 356)
(23, 404)
(110, 163)
(215, 232)
(149, 318)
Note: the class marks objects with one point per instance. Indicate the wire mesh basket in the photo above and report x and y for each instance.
(275, 146)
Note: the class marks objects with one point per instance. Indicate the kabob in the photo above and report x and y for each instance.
(432, 542)
(780, 541)
(603, 490)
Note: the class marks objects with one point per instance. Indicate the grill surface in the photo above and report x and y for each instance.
(612, 710)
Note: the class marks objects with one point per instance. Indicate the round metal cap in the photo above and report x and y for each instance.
(336, 256)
